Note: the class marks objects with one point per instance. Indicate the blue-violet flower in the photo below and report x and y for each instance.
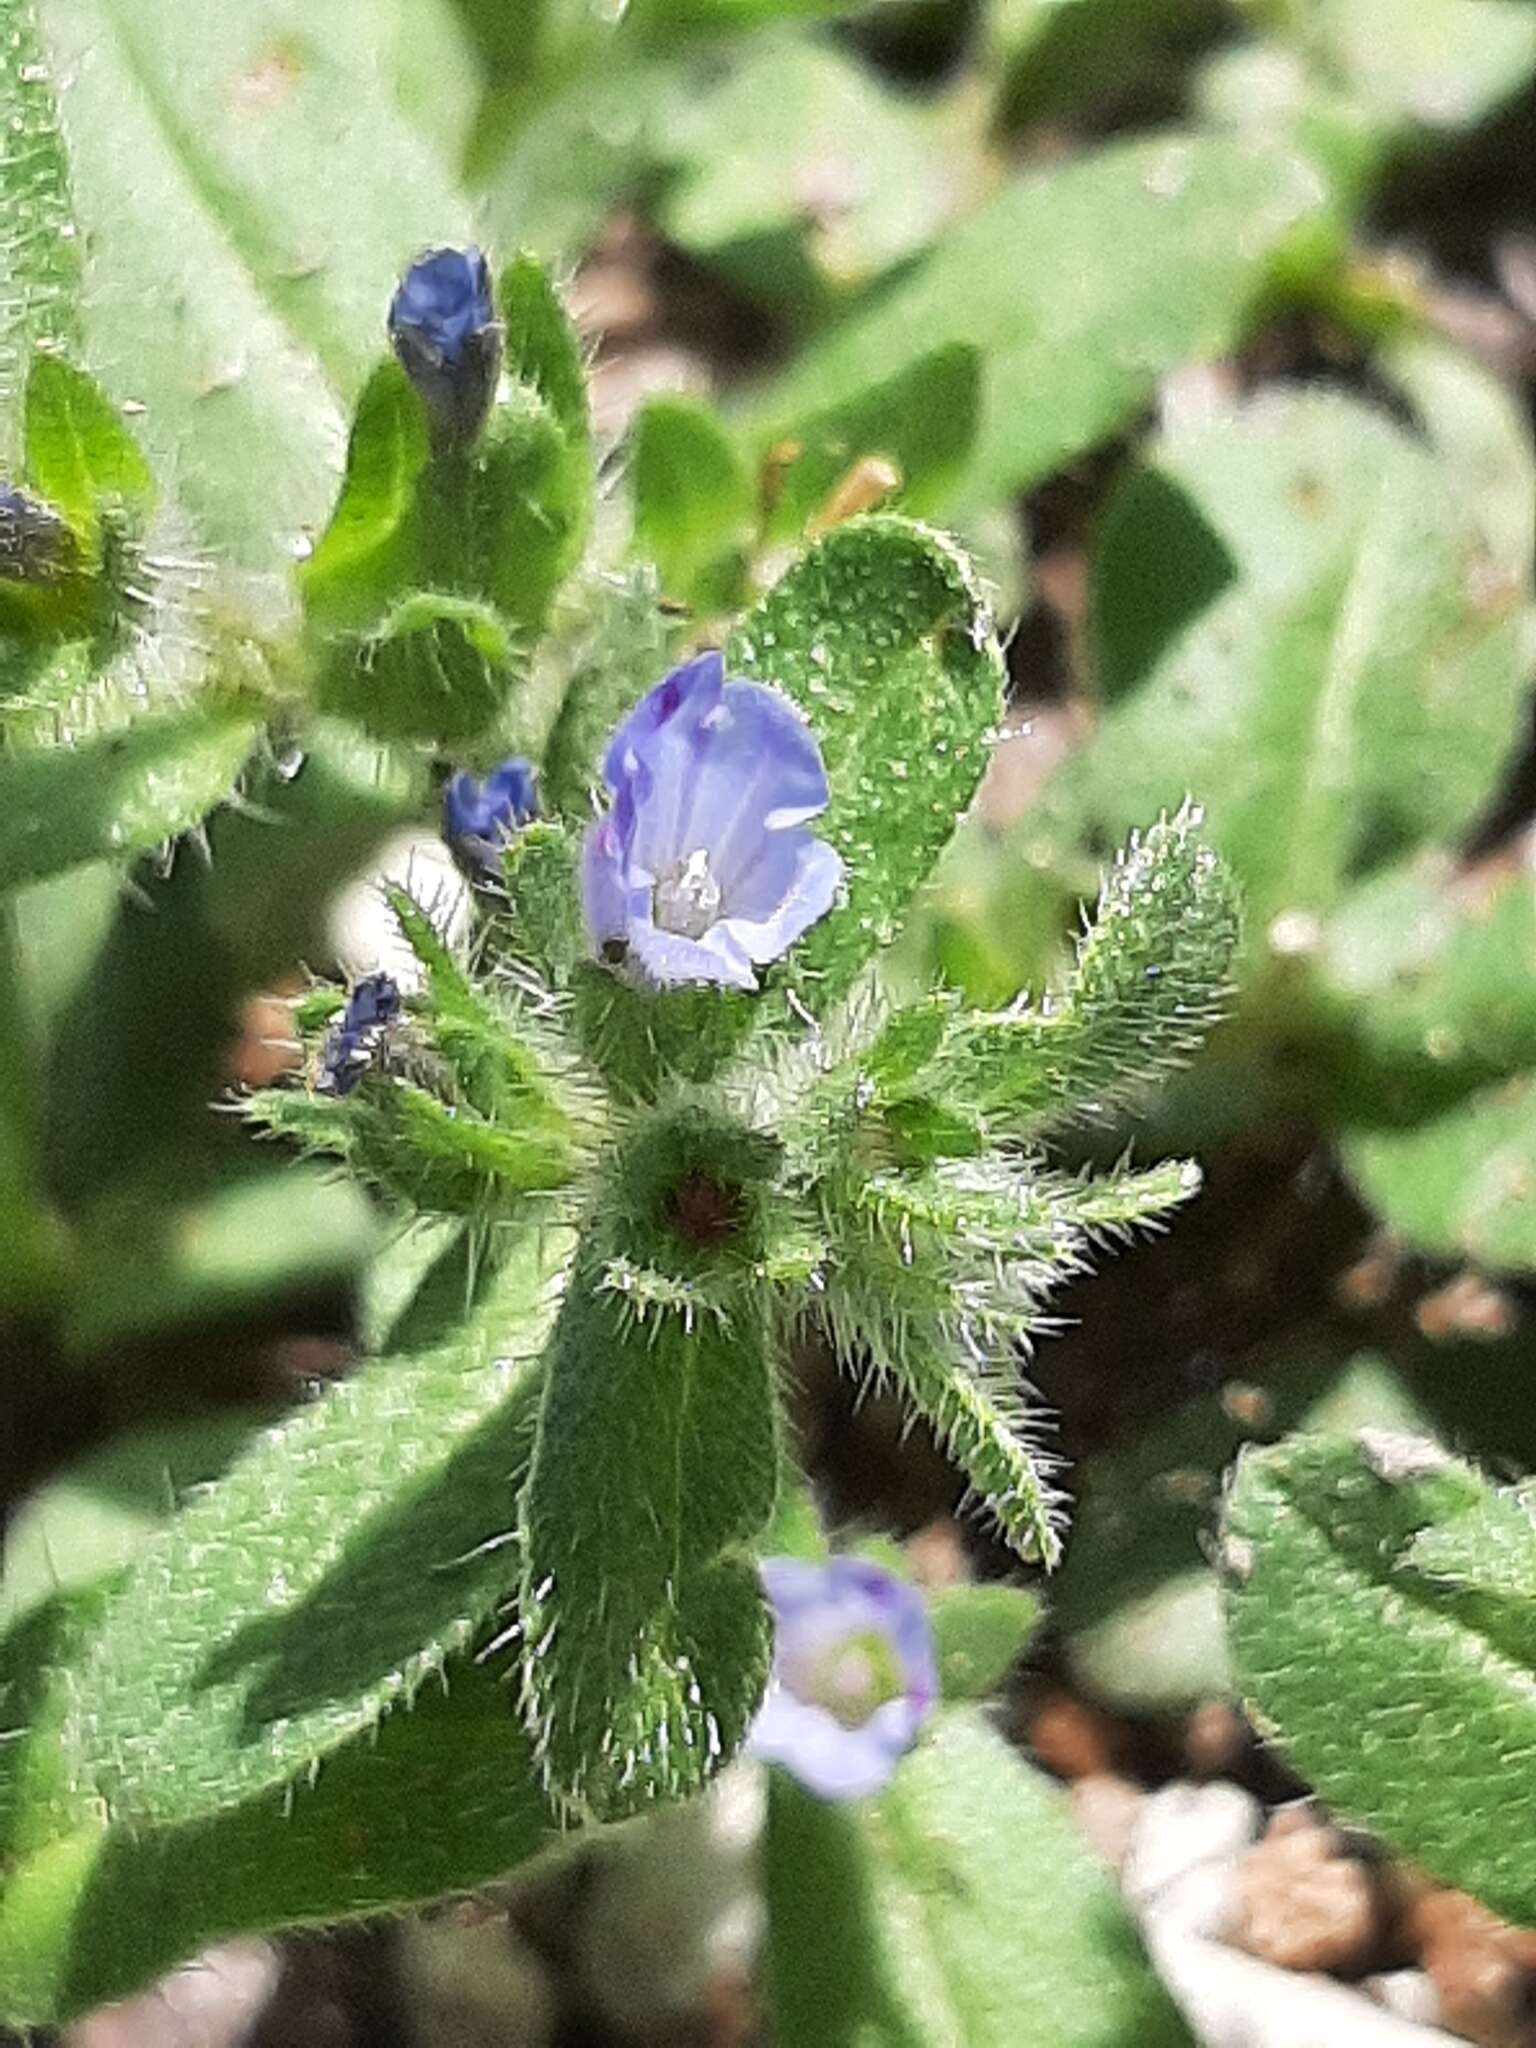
(442, 323)
(854, 1674)
(371, 1008)
(703, 868)
(480, 817)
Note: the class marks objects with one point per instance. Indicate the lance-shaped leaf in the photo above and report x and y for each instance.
(40, 252)
(371, 549)
(881, 637)
(118, 793)
(1150, 979)
(79, 453)
(326, 1577)
(645, 1637)
(440, 1797)
(919, 1916)
(1380, 1612)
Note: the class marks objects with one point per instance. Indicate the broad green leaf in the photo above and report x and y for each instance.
(99, 1511)
(1438, 64)
(241, 307)
(372, 544)
(441, 1797)
(40, 250)
(1461, 1182)
(1428, 981)
(800, 172)
(1295, 613)
(118, 793)
(1398, 1681)
(645, 1637)
(921, 422)
(881, 637)
(1081, 287)
(919, 1918)
(694, 500)
(978, 1632)
(325, 1578)
(79, 454)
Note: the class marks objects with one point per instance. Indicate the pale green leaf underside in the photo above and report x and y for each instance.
(240, 307)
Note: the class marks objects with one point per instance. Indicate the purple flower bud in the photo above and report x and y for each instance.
(371, 1008)
(480, 817)
(442, 322)
(36, 546)
(854, 1674)
(704, 868)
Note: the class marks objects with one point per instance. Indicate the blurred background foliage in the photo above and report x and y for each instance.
(1209, 325)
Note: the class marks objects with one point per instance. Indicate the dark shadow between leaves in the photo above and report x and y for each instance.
(1160, 565)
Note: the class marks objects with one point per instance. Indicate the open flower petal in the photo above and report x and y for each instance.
(705, 866)
(854, 1674)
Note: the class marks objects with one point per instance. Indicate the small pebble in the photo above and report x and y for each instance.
(1181, 1827)
(1302, 1903)
(1105, 1807)
(1073, 1739)
(1484, 1970)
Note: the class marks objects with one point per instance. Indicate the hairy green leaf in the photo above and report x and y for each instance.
(645, 1636)
(881, 637)
(1377, 1586)
(118, 793)
(1149, 981)
(39, 247)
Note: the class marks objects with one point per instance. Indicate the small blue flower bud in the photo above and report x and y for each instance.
(443, 326)
(371, 1008)
(480, 817)
(36, 546)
